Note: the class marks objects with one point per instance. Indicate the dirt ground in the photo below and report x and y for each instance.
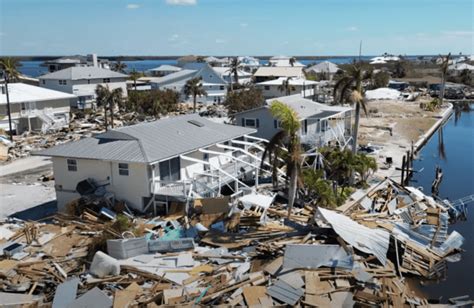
(21, 188)
(394, 126)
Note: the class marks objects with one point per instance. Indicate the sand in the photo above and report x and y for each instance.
(394, 126)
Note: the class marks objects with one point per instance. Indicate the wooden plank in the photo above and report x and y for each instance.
(252, 295)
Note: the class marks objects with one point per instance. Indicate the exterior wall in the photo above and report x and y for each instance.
(266, 128)
(131, 188)
(58, 106)
(272, 91)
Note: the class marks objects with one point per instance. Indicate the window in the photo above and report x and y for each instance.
(62, 82)
(250, 122)
(222, 87)
(304, 127)
(206, 159)
(106, 80)
(43, 81)
(276, 124)
(123, 169)
(170, 170)
(266, 88)
(88, 81)
(72, 165)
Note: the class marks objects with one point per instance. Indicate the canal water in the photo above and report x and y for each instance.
(452, 148)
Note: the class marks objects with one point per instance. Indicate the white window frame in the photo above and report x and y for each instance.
(62, 82)
(123, 169)
(71, 164)
(254, 122)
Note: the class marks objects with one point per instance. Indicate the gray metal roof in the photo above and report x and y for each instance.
(150, 142)
(83, 72)
(166, 68)
(324, 67)
(181, 75)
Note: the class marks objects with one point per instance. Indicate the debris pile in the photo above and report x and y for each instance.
(234, 251)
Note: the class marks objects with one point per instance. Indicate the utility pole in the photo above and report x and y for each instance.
(5, 76)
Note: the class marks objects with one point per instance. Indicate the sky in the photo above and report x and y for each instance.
(236, 27)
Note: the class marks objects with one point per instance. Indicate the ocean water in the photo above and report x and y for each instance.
(457, 164)
(34, 68)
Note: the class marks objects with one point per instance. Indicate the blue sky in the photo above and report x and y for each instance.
(235, 27)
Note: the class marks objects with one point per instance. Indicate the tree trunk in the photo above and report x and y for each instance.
(292, 188)
(111, 106)
(135, 84)
(194, 103)
(105, 118)
(356, 128)
(442, 89)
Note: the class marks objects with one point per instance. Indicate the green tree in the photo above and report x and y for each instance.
(108, 99)
(234, 68)
(119, 67)
(352, 80)
(380, 79)
(193, 88)
(364, 165)
(10, 66)
(286, 86)
(319, 189)
(134, 76)
(287, 137)
(244, 99)
(153, 103)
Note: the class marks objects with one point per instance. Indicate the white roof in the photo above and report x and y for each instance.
(22, 92)
(166, 68)
(292, 81)
(224, 70)
(324, 67)
(83, 72)
(279, 71)
(461, 67)
(385, 58)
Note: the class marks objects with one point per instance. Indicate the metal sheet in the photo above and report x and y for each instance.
(65, 293)
(372, 241)
(315, 256)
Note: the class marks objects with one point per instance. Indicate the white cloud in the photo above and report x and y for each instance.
(220, 41)
(352, 28)
(133, 6)
(181, 2)
(244, 24)
(173, 38)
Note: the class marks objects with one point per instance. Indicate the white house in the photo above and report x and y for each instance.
(325, 70)
(33, 108)
(213, 83)
(265, 73)
(283, 61)
(276, 87)
(82, 82)
(70, 61)
(224, 72)
(164, 70)
(458, 68)
(154, 163)
(320, 124)
(248, 63)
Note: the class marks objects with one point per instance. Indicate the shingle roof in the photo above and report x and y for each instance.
(83, 72)
(150, 142)
(22, 92)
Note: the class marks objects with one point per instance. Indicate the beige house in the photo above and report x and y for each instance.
(151, 164)
(33, 108)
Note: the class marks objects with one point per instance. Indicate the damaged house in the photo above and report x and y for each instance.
(320, 124)
(151, 164)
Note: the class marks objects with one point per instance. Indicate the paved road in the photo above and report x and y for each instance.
(24, 164)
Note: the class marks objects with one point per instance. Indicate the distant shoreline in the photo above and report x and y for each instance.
(141, 58)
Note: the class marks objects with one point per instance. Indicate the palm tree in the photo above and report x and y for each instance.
(352, 81)
(108, 99)
(10, 67)
(444, 72)
(288, 137)
(286, 86)
(193, 87)
(292, 61)
(134, 76)
(234, 68)
(119, 66)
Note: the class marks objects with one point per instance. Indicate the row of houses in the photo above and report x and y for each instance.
(176, 159)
